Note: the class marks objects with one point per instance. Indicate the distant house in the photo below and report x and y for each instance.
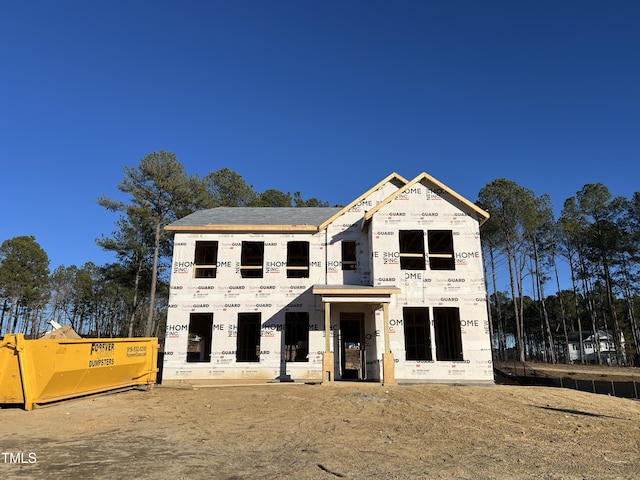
(389, 287)
(604, 344)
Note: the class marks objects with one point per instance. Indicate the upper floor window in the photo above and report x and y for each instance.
(349, 261)
(252, 260)
(206, 258)
(441, 250)
(412, 250)
(297, 259)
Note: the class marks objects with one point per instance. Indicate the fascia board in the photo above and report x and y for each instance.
(355, 291)
(392, 176)
(483, 216)
(243, 228)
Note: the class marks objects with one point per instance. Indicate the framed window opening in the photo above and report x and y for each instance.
(417, 333)
(206, 259)
(297, 259)
(248, 337)
(441, 255)
(296, 336)
(200, 337)
(446, 325)
(412, 250)
(349, 259)
(252, 260)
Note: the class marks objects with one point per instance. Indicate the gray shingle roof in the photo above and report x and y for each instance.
(257, 216)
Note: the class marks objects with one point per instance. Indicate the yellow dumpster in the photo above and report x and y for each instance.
(37, 372)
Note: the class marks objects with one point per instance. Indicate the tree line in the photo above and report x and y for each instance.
(128, 297)
(596, 235)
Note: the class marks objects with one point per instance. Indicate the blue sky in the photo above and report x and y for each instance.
(325, 98)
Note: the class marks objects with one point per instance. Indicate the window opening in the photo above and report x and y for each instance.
(412, 250)
(296, 336)
(349, 261)
(417, 334)
(297, 259)
(446, 324)
(206, 258)
(441, 250)
(248, 338)
(200, 337)
(252, 259)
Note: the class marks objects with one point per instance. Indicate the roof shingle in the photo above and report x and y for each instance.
(256, 216)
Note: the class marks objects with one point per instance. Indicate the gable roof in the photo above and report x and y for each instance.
(394, 178)
(301, 219)
(574, 337)
(254, 219)
(482, 215)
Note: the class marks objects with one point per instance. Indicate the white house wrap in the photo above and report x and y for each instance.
(395, 277)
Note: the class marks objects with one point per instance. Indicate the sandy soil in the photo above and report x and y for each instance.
(579, 372)
(346, 430)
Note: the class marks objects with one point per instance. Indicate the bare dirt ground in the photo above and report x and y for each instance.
(346, 430)
(577, 371)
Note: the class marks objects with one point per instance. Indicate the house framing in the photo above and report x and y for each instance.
(389, 288)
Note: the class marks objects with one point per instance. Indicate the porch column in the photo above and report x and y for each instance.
(388, 361)
(385, 316)
(327, 358)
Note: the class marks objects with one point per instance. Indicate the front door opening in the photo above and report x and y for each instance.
(352, 345)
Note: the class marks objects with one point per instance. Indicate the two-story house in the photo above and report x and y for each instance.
(604, 346)
(388, 288)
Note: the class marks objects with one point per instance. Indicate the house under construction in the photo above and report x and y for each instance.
(389, 288)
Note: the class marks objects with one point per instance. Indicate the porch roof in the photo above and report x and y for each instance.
(355, 293)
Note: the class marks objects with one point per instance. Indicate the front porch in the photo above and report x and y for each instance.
(349, 307)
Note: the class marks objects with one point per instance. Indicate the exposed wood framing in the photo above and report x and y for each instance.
(482, 215)
(390, 178)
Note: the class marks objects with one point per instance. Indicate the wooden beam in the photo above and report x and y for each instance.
(355, 290)
(243, 228)
(327, 327)
(385, 316)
